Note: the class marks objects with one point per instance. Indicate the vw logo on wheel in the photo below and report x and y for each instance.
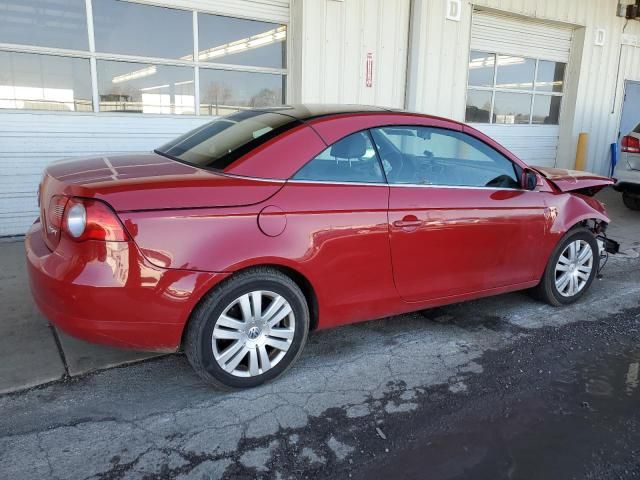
(253, 333)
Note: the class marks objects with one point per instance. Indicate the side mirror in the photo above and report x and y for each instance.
(529, 180)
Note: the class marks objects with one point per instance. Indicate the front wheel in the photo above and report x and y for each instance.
(249, 330)
(571, 268)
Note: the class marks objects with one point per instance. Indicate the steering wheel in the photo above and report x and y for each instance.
(502, 181)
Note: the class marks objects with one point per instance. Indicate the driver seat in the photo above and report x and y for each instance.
(350, 148)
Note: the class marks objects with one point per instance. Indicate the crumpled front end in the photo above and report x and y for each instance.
(584, 183)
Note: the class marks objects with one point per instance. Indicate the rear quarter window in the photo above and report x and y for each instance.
(217, 144)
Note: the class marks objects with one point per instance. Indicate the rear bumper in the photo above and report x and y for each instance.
(628, 180)
(622, 186)
(108, 293)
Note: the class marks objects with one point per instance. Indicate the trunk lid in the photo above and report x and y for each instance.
(152, 182)
(141, 182)
(576, 181)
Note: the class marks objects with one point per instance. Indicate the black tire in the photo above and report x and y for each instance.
(631, 201)
(546, 289)
(198, 339)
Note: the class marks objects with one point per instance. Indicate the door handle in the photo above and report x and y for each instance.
(407, 223)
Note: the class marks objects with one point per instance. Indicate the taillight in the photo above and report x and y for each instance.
(631, 144)
(55, 213)
(92, 220)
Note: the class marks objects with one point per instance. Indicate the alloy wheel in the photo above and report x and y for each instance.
(253, 333)
(573, 268)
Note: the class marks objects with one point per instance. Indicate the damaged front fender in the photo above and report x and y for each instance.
(574, 209)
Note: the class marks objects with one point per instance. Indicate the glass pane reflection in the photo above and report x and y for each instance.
(546, 110)
(550, 76)
(478, 106)
(144, 88)
(241, 42)
(44, 82)
(45, 23)
(515, 72)
(145, 30)
(222, 91)
(481, 69)
(511, 108)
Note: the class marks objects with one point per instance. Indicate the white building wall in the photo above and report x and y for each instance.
(440, 52)
(30, 140)
(335, 38)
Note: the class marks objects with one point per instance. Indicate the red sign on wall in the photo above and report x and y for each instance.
(369, 75)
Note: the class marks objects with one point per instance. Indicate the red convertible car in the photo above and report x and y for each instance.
(238, 238)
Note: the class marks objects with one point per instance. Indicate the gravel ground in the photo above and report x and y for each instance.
(499, 387)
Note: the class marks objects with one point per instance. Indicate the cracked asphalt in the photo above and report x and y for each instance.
(391, 397)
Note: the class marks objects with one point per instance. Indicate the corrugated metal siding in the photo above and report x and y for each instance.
(438, 82)
(29, 141)
(520, 36)
(536, 145)
(336, 37)
(268, 10)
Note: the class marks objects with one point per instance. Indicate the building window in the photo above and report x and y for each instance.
(44, 82)
(222, 91)
(257, 50)
(44, 23)
(145, 88)
(241, 42)
(142, 30)
(508, 89)
(144, 58)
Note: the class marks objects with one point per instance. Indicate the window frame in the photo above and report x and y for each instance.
(93, 56)
(517, 168)
(533, 92)
(367, 133)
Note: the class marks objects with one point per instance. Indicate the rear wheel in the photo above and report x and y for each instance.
(249, 330)
(631, 201)
(571, 268)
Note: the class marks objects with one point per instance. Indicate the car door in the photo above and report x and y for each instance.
(337, 230)
(459, 221)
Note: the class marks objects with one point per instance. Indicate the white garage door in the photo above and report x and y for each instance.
(516, 82)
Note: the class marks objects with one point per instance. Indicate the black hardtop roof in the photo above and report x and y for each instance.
(307, 111)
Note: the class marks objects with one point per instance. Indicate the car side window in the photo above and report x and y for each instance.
(352, 159)
(436, 156)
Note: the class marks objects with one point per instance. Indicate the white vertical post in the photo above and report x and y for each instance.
(92, 60)
(533, 96)
(493, 91)
(196, 59)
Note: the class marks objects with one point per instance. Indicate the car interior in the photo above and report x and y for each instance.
(412, 155)
(352, 159)
(419, 155)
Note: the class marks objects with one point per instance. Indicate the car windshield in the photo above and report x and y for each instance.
(637, 129)
(219, 143)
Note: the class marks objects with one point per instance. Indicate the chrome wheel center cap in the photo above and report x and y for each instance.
(254, 332)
